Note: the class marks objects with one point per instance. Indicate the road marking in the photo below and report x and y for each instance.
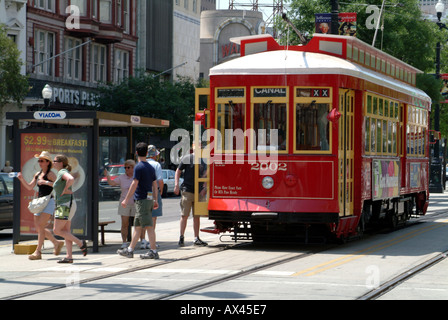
(361, 253)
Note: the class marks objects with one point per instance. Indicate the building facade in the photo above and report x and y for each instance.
(73, 45)
(13, 17)
(217, 27)
(169, 37)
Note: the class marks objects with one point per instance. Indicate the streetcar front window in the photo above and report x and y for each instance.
(312, 126)
(270, 126)
(230, 117)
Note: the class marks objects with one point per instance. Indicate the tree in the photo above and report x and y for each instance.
(147, 96)
(406, 36)
(13, 85)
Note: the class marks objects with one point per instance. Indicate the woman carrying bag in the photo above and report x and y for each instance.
(44, 180)
(65, 207)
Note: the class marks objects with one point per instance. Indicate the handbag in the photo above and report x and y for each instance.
(38, 205)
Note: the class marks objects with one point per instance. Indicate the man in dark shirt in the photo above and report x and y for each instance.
(187, 197)
(144, 190)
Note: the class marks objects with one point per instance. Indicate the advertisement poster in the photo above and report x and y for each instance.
(415, 174)
(385, 178)
(75, 147)
(347, 23)
(444, 90)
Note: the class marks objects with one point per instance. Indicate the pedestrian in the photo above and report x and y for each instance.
(145, 193)
(44, 180)
(187, 197)
(7, 168)
(152, 160)
(65, 207)
(124, 182)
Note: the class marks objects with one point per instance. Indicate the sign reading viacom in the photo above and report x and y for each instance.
(49, 115)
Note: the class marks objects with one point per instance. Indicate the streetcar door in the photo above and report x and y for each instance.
(346, 151)
(201, 170)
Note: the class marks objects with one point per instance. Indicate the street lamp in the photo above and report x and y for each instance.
(435, 177)
(47, 93)
(440, 7)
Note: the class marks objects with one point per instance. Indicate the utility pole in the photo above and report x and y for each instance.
(334, 17)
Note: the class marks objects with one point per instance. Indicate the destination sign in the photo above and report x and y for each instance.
(231, 93)
(269, 92)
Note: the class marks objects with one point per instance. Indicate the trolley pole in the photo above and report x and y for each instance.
(334, 17)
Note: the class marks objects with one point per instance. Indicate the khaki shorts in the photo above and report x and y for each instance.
(143, 213)
(129, 211)
(186, 203)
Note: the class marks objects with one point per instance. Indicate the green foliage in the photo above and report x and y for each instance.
(406, 35)
(147, 96)
(13, 85)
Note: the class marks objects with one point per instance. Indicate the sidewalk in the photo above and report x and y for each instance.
(19, 275)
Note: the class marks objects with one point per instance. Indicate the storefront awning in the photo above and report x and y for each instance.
(86, 118)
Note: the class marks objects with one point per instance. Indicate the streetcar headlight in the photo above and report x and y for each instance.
(267, 182)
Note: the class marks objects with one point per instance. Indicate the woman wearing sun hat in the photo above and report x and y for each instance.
(44, 179)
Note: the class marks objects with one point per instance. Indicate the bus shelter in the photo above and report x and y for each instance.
(75, 134)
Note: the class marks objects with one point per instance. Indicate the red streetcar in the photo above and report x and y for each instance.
(327, 137)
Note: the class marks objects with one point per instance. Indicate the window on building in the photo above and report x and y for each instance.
(106, 11)
(195, 5)
(126, 16)
(73, 59)
(95, 9)
(43, 50)
(119, 12)
(48, 5)
(121, 65)
(98, 63)
(81, 4)
(186, 4)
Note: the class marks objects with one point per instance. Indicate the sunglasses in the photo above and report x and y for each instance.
(128, 167)
(57, 161)
(40, 161)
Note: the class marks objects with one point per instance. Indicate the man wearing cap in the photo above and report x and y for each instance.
(152, 160)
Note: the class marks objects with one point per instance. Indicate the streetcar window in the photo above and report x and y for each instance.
(312, 126)
(230, 117)
(416, 130)
(270, 126)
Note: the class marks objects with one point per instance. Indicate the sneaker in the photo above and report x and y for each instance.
(150, 255)
(124, 245)
(125, 253)
(199, 242)
(181, 241)
(144, 244)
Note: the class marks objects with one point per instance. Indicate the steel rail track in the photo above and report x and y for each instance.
(119, 273)
(246, 271)
(403, 277)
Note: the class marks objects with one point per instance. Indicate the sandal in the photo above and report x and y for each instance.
(37, 255)
(66, 260)
(58, 248)
(84, 248)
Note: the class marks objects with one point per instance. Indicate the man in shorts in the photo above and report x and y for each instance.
(152, 160)
(144, 190)
(187, 198)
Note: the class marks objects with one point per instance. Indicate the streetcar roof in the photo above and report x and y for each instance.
(288, 62)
